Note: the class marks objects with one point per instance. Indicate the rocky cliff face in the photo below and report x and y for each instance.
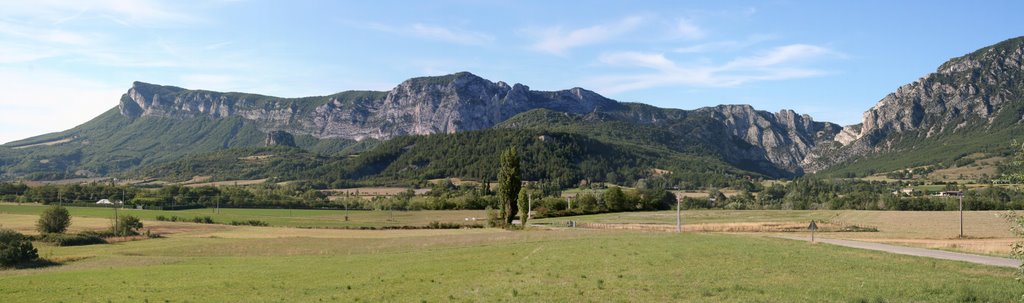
(783, 139)
(968, 92)
(464, 102)
(419, 106)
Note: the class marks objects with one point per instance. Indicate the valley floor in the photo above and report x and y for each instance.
(220, 263)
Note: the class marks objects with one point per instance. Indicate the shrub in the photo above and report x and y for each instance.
(84, 238)
(206, 220)
(99, 233)
(55, 219)
(494, 218)
(15, 248)
(250, 222)
(127, 226)
(443, 225)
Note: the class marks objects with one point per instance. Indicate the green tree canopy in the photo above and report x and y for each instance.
(55, 219)
(510, 181)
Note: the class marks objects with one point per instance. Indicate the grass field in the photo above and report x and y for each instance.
(277, 217)
(280, 264)
(984, 231)
(492, 265)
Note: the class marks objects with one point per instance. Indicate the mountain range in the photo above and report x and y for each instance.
(445, 126)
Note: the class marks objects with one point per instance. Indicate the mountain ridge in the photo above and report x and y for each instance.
(764, 142)
(970, 104)
(980, 92)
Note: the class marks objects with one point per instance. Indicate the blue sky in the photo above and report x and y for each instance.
(64, 62)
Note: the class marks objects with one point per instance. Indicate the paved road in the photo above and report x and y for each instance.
(921, 252)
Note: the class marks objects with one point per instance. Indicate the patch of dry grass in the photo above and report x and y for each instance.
(372, 191)
(226, 183)
(985, 231)
(26, 224)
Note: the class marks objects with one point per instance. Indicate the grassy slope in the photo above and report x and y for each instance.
(112, 143)
(522, 266)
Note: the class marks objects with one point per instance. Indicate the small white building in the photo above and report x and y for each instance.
(104, 201)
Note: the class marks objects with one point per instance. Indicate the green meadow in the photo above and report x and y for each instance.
(314, 218)
(217, 263)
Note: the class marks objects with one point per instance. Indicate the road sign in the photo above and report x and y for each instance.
(813, 227)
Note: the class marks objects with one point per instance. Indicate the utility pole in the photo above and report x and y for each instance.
(116, 230)
(961, 215)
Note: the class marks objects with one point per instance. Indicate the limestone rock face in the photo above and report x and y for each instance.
(466, 102)
(784, 138)
(280, 138)
(968, 92)
(419, 106)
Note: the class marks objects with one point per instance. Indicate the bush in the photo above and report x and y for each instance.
(205, 220)
(494, 218)
(55, 219)
(15, 248)
(127, 226)
(84, 238)
(443, 225)
(250, 222)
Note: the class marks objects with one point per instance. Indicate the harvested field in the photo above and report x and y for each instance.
(985, 231)
(227, 183)
(372, 191)
(747, 227)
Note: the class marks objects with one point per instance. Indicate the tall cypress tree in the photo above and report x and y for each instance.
(510, 181)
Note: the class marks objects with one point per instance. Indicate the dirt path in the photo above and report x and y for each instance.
(920, 252)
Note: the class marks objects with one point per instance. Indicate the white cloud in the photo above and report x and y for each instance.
(638, 59)
(19, 53)
(688, 30)
(450, 35)
(44, 35)
(34, 30)
(725, 45)
(433, 32)
(66, 100)
(780, 63)
(556, 40)
(127, 12)
(782, 54)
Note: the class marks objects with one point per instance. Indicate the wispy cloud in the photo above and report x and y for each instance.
(126, 12)
(74, 101)
(724, 45)
(779, 63)
(451, 35)
(45, 35)
(434, 32)
(687, 29)
(557, 40)
(12, 53)
(35, 30)
(780, 55)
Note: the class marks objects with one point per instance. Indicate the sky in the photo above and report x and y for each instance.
(64, 62)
